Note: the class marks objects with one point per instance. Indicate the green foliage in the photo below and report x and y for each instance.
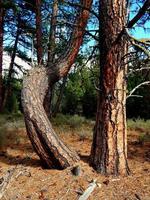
(2, 136)
(76, 121)
(80, 94)
(13, 104)
(144, 138)
(73, 94)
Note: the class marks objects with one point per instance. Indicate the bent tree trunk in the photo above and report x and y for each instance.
(44, 140)
(51, 150)
(109, 148)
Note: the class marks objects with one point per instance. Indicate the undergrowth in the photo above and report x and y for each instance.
(139, 125)
(79, 125)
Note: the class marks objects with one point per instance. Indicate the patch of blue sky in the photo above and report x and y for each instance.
(138, 31)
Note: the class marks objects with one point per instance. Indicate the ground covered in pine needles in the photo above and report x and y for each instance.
(30, 181)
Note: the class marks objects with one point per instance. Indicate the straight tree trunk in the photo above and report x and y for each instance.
(39, 33)
(51, 57)
(51, 46)
(52, 151)
(57, 105)
(109, 148)
(1, 54)
(8, 88)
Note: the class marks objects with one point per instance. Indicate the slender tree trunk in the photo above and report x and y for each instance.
(109, 148)
(51, 57)
(1, 55)
(8, 88)
(39, 32)
(57, 105)
(40, 52)
(51, 46)
(48, 146)
(48, 101)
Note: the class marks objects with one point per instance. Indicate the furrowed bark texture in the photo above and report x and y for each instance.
(109, 148)
(48, 146)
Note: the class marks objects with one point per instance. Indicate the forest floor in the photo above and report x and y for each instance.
(29, 181)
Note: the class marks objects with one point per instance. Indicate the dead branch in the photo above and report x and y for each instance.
(4, 183)
(147, 52)
(137, 87)
(89, 190)
(139, 43)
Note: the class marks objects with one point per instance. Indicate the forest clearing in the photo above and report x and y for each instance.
(30, 181)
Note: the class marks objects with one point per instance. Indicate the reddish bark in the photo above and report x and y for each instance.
(109, 148)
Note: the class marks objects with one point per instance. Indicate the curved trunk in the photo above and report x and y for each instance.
(46, 143)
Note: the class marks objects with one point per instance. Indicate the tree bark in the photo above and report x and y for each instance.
(1, 55)
(109, 148)
(51, 57)
(48, 146)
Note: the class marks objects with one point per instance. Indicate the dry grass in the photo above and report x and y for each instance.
(66, 124)
(44, 184)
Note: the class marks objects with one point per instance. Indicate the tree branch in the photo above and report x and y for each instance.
(138, 70)
(76, 40)
(139, 43)
(137, 87)
(140, 13)
(83, 7)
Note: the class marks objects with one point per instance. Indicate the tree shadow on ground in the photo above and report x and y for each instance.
(19, 160)
(136, 152)
(85, 158)
(139, 152)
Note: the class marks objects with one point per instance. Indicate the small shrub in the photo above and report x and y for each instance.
(60, 119)
(144, 138)
(75, 121)
(139, 125)
(3, 136)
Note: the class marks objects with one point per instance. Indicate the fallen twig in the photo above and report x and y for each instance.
(5, 181)
(89, 190)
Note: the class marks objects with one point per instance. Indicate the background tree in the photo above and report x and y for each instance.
(1, 52)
